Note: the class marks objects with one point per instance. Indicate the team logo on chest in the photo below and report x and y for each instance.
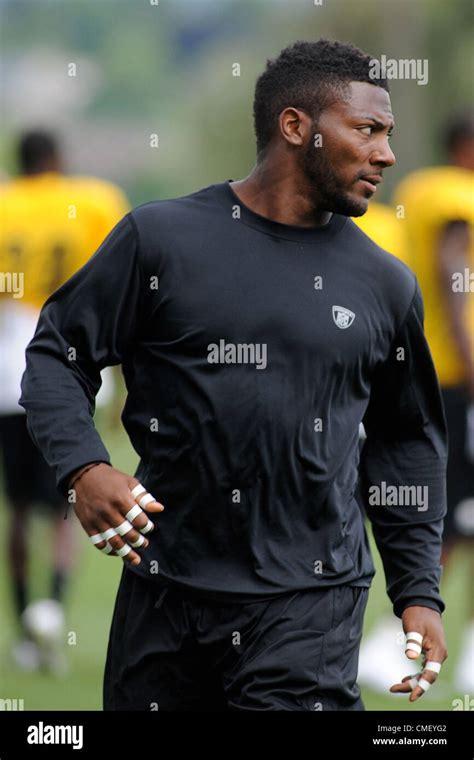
(342, 317)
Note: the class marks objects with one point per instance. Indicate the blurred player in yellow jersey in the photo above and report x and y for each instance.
(381, 225)
(50, 224)
(437, 206)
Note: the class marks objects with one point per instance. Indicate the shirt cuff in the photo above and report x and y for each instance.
(422, 601)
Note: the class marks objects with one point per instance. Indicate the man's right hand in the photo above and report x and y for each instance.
(103, 500)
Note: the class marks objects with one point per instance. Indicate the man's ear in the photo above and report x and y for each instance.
(296, 127)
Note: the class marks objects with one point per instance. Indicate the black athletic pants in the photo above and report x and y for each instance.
(174, 651)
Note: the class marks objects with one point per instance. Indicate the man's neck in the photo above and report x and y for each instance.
(278, 197)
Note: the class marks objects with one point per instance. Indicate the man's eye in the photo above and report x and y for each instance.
(367, 130)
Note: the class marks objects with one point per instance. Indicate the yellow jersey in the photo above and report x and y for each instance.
(381, 225)
(50, 225)
(429, 199)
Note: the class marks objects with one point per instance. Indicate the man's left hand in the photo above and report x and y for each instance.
(427, 627)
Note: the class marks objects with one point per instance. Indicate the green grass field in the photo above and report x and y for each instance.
(89, 611)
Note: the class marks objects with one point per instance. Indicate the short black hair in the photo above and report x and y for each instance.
(36, 148)
(309, 76)
(458, 129)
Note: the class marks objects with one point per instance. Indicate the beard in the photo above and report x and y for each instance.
(327, 188)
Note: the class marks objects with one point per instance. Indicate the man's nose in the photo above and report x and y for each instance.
(384, 155)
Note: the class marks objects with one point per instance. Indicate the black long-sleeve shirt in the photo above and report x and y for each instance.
(251, 352)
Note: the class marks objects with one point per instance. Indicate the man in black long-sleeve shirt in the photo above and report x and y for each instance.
(256, 326)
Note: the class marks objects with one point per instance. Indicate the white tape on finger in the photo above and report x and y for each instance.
(138, 490)
(425, 685)
(146, 529)
(435, 667)
(147, 499)
(109, 533)
(139, 542)
(123, 528)
(413, 682)
(107, 549)
(414, 636)
(123, 551)
(97, 538)
(133, 512)
(413, 647)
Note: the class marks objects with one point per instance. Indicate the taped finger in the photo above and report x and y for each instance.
(123, 551)
(109, 533)
(137, 490)
(147, 528)
(96, 538)
(133, 513)
(424, 684)
(123, 528)
(414, 636)
(413, 647)
(139, 542)
(147, 499)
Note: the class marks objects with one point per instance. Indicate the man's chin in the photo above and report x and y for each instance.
(360, 209)
(348, 206)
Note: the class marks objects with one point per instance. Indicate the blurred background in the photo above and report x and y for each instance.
(143, 96)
